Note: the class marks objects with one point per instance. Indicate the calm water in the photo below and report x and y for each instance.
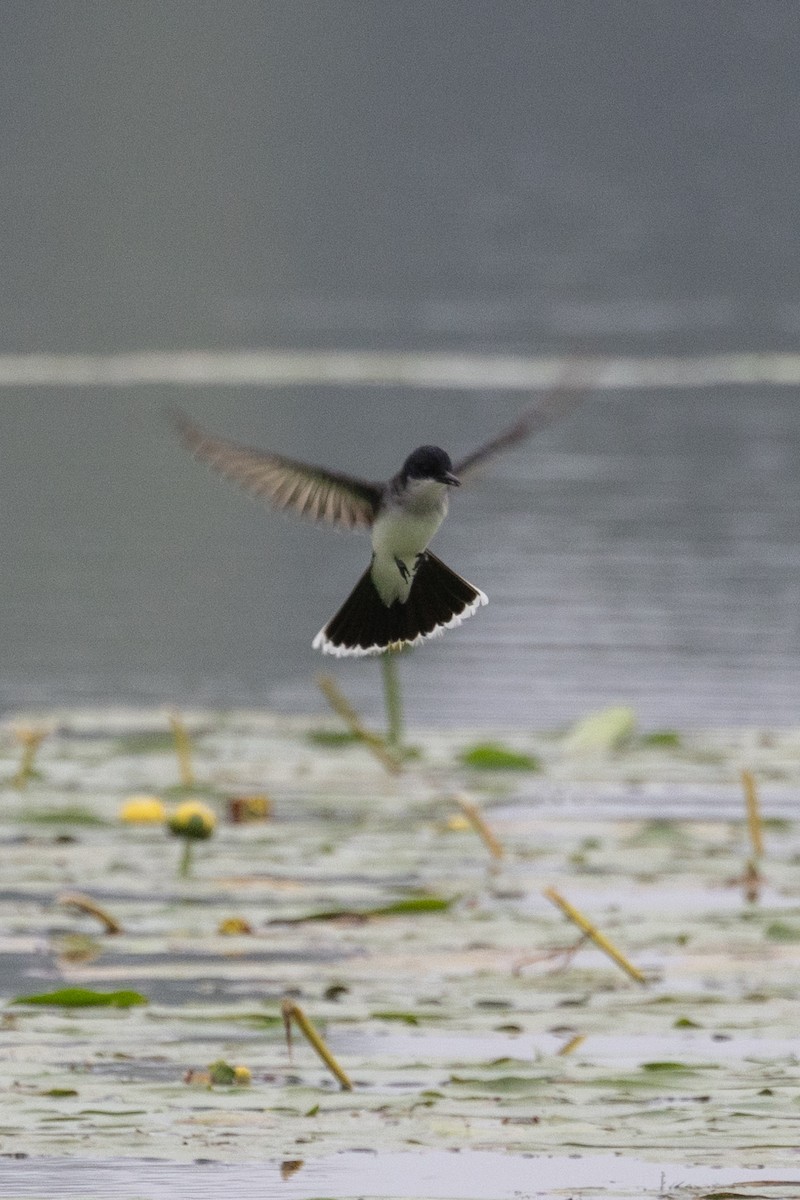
(525, 178)
(444, 1174)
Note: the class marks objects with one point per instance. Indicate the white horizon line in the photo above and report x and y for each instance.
(424, 369)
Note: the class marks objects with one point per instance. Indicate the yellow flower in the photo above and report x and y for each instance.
(192, 819)
(242, 1076)
(233, 926)
(143, 809)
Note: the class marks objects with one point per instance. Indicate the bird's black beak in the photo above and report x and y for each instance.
(450, 480)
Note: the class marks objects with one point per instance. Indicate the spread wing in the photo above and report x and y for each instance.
(310, 491)
(552, 407)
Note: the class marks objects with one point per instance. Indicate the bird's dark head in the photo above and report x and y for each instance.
(429, 462)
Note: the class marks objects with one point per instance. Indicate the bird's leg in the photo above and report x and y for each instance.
(402, 568)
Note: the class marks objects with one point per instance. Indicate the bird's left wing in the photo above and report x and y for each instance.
(307, 490)
(552, 407)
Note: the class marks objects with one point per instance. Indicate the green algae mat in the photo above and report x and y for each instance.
(474, 1019)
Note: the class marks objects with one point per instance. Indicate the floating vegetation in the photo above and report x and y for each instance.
(30, 739)
(150, 741)
(221, 1074)
(193, 822)
(293, 1013)
(244, 809)
(354, 904)
(235, 927)
(754, 822)
(493, 756)
(183, 749)
(412, 906)
(602, 731)
(77, 997)
(143, 810)
(593, 933)
(377, 745)
(85, 904)
(782, 931)
(666, 739)
(67, 814)
(333, 739)
(477, 822)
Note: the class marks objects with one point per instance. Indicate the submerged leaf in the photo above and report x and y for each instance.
(75, 997)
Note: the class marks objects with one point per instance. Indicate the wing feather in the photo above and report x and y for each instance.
(289, 485)
(552, 407)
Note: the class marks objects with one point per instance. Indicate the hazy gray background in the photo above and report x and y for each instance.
(620, 178)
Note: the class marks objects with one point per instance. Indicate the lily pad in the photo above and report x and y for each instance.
(602, 731)
(493, 756)
(75, 997)
(781, 931)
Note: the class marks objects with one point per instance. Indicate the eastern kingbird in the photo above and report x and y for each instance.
(407, 594)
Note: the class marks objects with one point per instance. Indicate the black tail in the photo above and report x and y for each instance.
(439, 599)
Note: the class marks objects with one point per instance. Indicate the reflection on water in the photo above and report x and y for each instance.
(644, 551)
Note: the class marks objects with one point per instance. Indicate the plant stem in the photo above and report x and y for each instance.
(293, 1012)
(187, 857)
(183, 749)
(392, 700)
(341, 706)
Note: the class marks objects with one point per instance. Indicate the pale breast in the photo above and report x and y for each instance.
(400, 534)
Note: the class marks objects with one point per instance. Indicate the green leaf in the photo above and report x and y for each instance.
(662, 737)
(407, 1018)
(221, 1073)
(779, 931)
(686, 1023)
(70, 814)
(111, 1112)
(75, 997)
(502, 1084)
(492, 756)
(412, 905)
(665, 1066)
(335, 739)
(733, 1196)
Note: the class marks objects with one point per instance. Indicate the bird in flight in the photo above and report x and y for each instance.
(407, 594)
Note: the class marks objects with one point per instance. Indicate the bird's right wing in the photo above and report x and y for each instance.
(309, 491)
(552, 407)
